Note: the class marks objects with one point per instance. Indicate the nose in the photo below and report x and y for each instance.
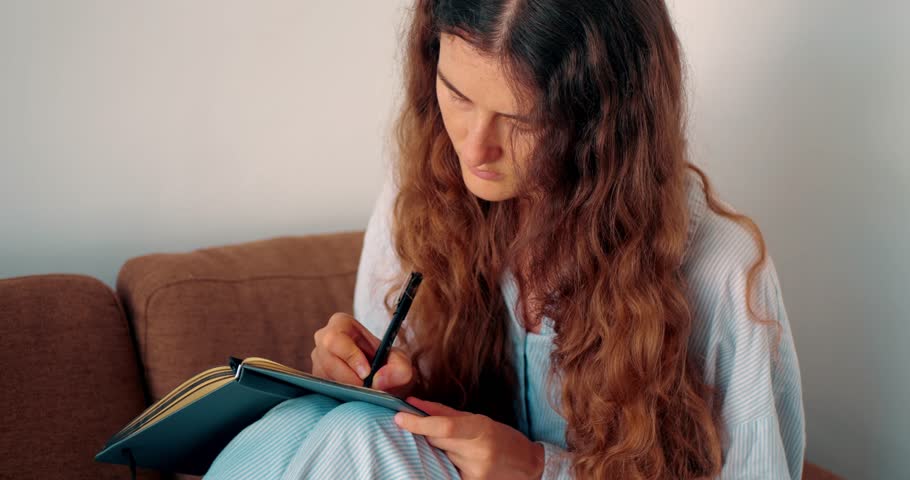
(481, 144)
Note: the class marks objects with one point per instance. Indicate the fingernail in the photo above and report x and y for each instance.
(363, 371)
(378, 381)
(397, 419)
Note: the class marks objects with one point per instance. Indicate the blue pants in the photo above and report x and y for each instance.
(317, 437)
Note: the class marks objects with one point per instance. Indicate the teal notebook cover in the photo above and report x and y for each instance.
(187, 438)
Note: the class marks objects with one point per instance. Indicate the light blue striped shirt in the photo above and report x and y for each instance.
(762, 409)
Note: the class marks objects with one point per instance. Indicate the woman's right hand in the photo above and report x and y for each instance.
(344, 350)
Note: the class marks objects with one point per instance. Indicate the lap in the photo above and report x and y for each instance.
(265, 447)
(316, 437)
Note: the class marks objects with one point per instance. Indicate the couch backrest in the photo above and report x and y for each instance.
(191, 311)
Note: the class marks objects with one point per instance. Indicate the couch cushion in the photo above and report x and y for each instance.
(193, 310)
(70, 377)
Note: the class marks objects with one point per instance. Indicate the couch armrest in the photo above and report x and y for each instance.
(812, 471)
(70, 377)
(193, 310)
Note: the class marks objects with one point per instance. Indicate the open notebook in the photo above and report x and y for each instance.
(185, 430)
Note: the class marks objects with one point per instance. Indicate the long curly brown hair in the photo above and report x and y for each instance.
(595, 237)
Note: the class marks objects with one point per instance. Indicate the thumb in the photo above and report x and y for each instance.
(397, 372)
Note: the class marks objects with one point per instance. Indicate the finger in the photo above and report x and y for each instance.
(397, 372)
(335, 369)
(434, 408)
(340, 319)
(362, 336)
(366, 345)
(365, 339)
(438, 427)
(314, 362)
(343, 347)
(398, 357)
(452, 446)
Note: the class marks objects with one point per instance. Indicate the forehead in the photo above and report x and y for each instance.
(479, 77)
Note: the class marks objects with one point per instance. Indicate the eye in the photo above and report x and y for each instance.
(521, 127)
(455, 98)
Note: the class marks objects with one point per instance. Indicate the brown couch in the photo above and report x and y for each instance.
(78, 361)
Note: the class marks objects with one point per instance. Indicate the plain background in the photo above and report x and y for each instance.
(135, 127)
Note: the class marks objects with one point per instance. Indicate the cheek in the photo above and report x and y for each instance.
(521, 149)
(451, 118)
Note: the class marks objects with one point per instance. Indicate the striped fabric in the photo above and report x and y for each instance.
(315, 437)
(762, 409)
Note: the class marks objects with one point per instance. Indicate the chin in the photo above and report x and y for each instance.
(487, 190)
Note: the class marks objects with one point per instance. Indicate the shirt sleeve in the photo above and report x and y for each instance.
(760, 394)
(378, 268)
(557, 464)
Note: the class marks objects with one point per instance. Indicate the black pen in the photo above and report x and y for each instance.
(401, 311)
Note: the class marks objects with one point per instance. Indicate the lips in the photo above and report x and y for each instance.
(485, 174)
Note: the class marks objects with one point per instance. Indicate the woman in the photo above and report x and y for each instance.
(589, 308)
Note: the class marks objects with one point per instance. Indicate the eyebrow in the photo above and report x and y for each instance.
(520, 118)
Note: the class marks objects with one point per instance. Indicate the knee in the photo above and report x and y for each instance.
(358, 417)
(303, 409)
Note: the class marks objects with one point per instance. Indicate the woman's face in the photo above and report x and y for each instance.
(480, 115)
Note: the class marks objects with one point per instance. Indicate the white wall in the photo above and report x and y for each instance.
(127, 128)
(133, 127)
(800, 115)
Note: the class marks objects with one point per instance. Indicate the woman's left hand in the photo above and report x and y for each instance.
(479, 447)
